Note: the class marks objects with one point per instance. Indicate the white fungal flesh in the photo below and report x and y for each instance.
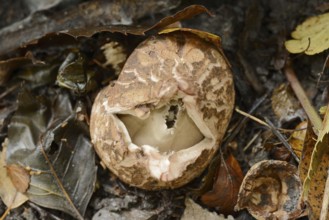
(167, 129)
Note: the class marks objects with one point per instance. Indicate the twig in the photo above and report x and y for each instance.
(9, 90)
(4, 215)
(326, 62)
(242, 122)
(282, 139)
(252, 141)
(275, 131)
(259, 121)
(325, 200)
(302, 97)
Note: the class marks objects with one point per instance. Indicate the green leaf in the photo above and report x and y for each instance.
(47, 137)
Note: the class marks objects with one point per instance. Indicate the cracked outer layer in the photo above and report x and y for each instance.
(174, 67)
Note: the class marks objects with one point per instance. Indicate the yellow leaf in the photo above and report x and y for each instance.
(310, 37)
(297, 138)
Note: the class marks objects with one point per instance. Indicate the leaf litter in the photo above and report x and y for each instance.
(8, 192)
(226, 185)
(52, 142)
(53, 131)
(310, 37)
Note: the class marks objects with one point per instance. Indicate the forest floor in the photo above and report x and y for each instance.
(253, 33)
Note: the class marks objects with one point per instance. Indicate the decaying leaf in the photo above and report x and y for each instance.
(279, 152)
(310, 37)
(19, 176)
(72, 36)
(271, 190)
(314, 169)
(8, 193)
(52, 42)
(7, 66)
(194, 211)
(297, 138)
(46, 136)
(37, 76)
(135, 214)
(285, 105)
(120, 208)
(73, 74)
(85, 15)
(185, 13)
(227, 183)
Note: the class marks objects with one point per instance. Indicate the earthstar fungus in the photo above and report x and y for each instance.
(160, 123)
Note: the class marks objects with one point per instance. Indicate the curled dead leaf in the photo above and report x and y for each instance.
(228, 180)
(271, 190)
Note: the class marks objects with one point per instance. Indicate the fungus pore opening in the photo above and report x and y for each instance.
(168, 128)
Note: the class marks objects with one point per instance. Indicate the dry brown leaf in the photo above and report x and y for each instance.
(317, 181)
(19, 177)
(8, 193)
(227, 184)
(279, 152)
(271, 190)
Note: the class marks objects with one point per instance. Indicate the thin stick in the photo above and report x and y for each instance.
(252, 141)
(302, 97)
(4, 215)
(323, 69)
(242, 122)
(259, 121)
(325, 201)
(282, 139)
